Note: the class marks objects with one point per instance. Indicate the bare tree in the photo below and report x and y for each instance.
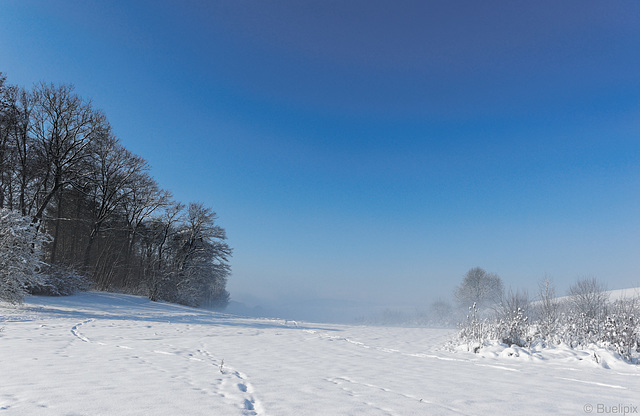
(29, 161)
(110, 175)
(8, 121)
(4, 140)
(61, 166)
(200, 258)
(64, 125)
(547, 308)
(480, 288)
(144, 198)
(588, 304)
(157, 236)
(588, 297)
(514, 301)
(19, 163)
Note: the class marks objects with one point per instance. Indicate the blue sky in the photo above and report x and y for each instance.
(371, 151)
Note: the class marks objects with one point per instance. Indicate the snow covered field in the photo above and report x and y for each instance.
(108, 354)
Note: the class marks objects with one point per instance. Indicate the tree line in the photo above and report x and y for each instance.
(106, 220)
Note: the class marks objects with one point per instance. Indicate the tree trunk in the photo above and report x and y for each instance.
(87, 251)
(56, 234)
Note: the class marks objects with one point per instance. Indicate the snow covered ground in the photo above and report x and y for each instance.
(108, 354)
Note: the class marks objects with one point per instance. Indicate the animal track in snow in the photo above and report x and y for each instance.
(75, 330)
(233, 384)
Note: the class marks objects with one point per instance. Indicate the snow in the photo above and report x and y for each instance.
(108, 354)
(616, 294)
(624, 293)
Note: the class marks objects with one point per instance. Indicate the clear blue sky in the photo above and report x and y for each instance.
(370, 150)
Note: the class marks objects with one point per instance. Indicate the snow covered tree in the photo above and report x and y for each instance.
(20, 255)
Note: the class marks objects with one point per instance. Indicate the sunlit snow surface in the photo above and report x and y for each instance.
(107, 354)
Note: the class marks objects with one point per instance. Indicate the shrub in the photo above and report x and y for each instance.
(474, 331)
(621, 329)
(59, 281)
(513, 318)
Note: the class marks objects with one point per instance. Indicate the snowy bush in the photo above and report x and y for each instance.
(513, 319)
(514, 329)
(586, 320)
(587, 312)
(579, 329)
(59, 281)
(20, 254)
(509, 325)
(621, 329)
(475, 331)
(621, 333)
